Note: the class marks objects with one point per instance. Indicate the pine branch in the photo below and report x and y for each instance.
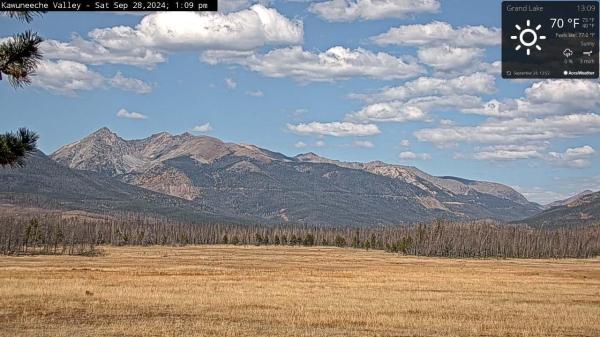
(14, 146)
(25, 16)
(19, 57)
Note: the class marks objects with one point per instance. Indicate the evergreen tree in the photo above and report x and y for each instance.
(259, 239)
(373, 243)
(340, 241)
(356, 239)
(309, 240)
(14, 146)
(19, 57)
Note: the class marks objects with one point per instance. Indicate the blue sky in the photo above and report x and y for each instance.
(403, 81)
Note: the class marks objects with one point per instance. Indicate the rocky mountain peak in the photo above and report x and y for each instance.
(103, 138)
(161, 135)
(102, 151)
(103, 133)
(377, 162)
(102, 130)
(310, 157)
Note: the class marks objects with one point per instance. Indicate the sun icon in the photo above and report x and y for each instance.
(528, 37)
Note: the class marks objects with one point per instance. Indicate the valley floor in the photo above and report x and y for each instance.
(294, 291)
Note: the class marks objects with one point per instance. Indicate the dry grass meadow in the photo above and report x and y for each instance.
(294, 291)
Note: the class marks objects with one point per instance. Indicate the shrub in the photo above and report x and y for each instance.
(339, 241)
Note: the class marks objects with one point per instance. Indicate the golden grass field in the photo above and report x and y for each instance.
(294, 291)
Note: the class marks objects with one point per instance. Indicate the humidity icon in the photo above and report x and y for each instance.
(528, 37)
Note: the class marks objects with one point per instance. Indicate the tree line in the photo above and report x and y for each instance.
(52, 234)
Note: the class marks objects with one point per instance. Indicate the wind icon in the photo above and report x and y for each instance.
(528, 37)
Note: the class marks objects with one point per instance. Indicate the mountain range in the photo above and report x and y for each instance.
(203, 178)
(581, 209)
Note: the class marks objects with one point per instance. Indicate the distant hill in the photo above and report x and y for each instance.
(568, 200)
(46, 184)
(584, 209)
(247, 181)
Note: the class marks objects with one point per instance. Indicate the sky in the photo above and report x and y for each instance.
(410, 82)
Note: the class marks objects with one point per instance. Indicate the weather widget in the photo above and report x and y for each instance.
(550, 39)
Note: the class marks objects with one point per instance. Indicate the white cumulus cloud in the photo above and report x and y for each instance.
(388, 112)
(363, 143)
(337, 63)
(578, 157)
(336, 129)
(448, 58)
(300, 145)
(204, 128)
(437, 33)
(409, 155)
(351, 10)
(416, 109)
(66, 77)
(230, 83)
(508, 152)
(130, 84)
(175, 31)
(123, 113)
(90, 52)
(514, 131)
(548, 97)
(473, 84)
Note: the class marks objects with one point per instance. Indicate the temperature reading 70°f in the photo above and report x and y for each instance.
(560, 22)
